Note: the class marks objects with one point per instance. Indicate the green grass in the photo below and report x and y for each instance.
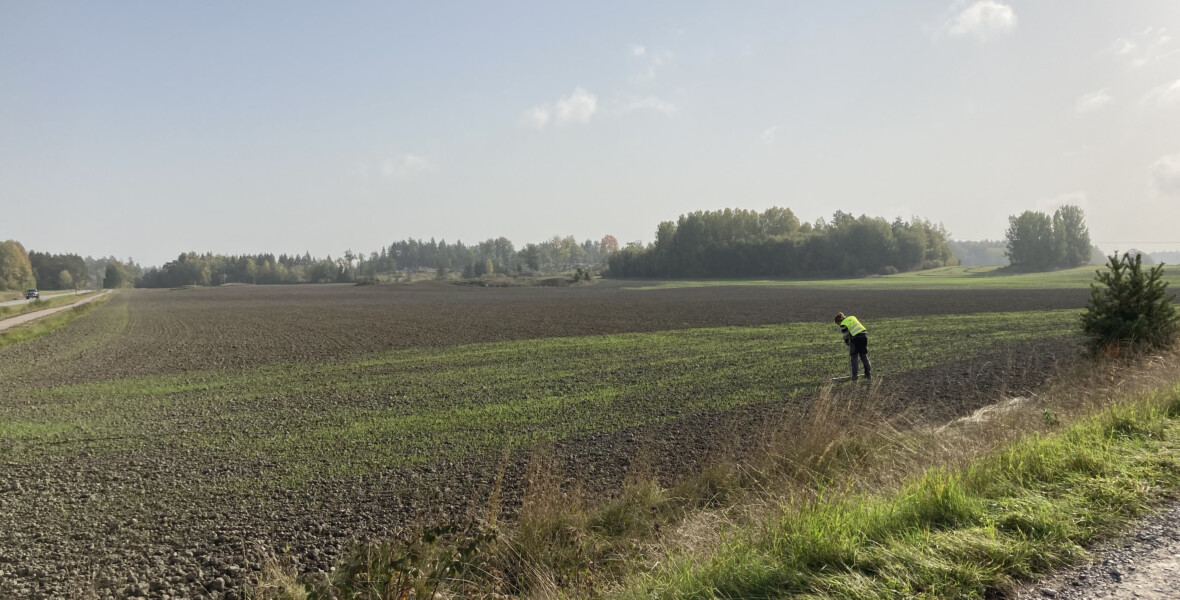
(417, 406)
(941, 278)
(46, 325)
(1008, 516)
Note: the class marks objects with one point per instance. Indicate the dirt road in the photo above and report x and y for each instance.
(33, 316)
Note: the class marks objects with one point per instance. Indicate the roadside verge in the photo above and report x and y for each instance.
(975, 530)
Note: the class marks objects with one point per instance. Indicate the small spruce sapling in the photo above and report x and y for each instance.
(1131, 308)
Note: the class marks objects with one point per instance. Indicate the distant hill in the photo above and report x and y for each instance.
(1171, 258)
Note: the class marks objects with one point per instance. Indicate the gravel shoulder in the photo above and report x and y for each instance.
(1143, 563)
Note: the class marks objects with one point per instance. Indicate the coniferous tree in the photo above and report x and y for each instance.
(1131, 307)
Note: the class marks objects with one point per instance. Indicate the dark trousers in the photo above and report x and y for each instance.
(858, 347)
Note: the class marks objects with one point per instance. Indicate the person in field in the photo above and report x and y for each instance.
(856, 337)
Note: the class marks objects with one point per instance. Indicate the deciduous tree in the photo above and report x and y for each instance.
(608, 246)
(1030, 241)
(1071, 236)
(16, 273)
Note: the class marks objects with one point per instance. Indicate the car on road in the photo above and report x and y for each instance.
(30, 294)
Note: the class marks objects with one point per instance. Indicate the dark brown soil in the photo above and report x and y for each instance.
(172, 331)
(146, 523)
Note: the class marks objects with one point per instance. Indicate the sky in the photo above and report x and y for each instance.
(146, 129)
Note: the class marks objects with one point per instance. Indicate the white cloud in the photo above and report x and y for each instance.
(578, 107)
(1152, 45)
(770, 134)
(1123, 47)
(538, 116)
(981, 20)
(407, 166)
(1165, 174)
(1165, 96)
(1091, 102)
(638, 50)
(652, 103)
(655, 62)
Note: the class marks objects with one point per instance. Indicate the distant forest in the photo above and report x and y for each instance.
(744, 243)
(492, 257)
(722, 243)
(979, 254)
(1170, 258)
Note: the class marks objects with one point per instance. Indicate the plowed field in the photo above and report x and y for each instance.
(162, 443)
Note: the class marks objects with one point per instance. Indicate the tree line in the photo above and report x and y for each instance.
(492, 256)
(496, 256)
(722, 243)
(21, 270)
(773, 243)
(59, 271)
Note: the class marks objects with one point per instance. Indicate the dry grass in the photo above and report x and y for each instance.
(278, 581)
(847, 447)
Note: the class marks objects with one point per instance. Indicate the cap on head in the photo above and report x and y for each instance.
(839, 317)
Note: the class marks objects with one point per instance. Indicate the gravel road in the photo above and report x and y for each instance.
(1144, 563)
(43, 297)
(33, 316)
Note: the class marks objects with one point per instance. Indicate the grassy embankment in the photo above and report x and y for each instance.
(418, 406)
(965, 531)
(933, 279)
(42, 326)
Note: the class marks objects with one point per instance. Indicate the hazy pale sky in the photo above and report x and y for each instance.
(148, 128)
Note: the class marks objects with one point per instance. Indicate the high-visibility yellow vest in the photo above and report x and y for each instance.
(853, 325)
